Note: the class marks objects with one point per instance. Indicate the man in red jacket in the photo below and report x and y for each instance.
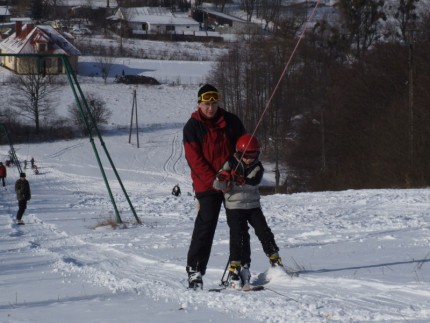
(2, 173)
(210, 137)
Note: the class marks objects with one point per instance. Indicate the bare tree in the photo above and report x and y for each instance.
(270, 11)
(361, 19)
(248, 6)
(99, 112)
(34, 93)
(407, 18)
(20, 8)
(105, 64)
(221, 4)
(51, 7)
(125, 15)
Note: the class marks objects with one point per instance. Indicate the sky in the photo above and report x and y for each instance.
(358, 255)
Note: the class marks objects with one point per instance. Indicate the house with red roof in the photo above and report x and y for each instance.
(38, 39)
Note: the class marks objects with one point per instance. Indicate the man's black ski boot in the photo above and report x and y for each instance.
(195, 280)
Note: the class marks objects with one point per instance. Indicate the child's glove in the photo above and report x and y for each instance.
(237, 178)
(223, 176)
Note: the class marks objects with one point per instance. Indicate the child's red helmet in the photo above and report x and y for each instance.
(247, 143)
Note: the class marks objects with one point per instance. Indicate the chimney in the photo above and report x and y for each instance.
(18, 28)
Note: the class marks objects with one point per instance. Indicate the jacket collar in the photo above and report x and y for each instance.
(218, 121)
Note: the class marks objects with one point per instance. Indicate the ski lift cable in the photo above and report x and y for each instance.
(284, 72)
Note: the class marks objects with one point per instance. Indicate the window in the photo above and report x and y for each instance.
(42, 47)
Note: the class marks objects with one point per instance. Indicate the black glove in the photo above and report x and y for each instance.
(223, 176)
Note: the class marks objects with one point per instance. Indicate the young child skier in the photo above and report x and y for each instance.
(239, 179)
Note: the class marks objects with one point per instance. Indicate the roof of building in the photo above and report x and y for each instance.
(221, 15)
(4, 11)
(25, 41)
(154, 15)
(90, 3)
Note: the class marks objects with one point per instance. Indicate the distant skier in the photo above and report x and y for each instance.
(176, 190)
(3, 173)
(23, 194)
(32, 162)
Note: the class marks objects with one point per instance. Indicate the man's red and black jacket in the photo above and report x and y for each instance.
(208, 143)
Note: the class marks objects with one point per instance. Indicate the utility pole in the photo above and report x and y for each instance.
(277, 143)
(323, 158)
(411, 40)
(134, 111)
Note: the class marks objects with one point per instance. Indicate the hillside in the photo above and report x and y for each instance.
(360, 256)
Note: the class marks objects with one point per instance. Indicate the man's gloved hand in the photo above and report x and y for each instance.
(223, 176)
(237, 178)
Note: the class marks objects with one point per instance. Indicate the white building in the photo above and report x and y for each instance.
(155, 20)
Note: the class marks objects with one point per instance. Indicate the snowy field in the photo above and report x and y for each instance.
(361, 256)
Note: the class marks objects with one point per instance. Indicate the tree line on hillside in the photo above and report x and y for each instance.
(352, 111)
(30, 113)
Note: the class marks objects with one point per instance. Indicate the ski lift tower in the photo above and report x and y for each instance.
(12, 153)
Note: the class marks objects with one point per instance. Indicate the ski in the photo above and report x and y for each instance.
(255, 288)
(249, 288)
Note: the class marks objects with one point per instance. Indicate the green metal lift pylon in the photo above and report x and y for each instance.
(82, 104)
(12, 153)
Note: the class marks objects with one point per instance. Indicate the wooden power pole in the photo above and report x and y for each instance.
(134, 112)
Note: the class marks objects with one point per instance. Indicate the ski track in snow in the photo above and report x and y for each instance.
(126, 260)
(171, 164)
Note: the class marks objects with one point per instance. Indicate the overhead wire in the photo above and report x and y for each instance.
(284, 72)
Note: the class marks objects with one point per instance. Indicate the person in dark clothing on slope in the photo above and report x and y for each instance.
(23, 194)
(176, 191)
(210, 137)
(3, 174)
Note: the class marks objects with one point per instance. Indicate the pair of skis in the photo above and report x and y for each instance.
(247, 287)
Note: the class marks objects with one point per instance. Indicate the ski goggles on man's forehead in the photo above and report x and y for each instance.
(211, 96)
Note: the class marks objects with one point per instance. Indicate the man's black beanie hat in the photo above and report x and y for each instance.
(206, 88)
